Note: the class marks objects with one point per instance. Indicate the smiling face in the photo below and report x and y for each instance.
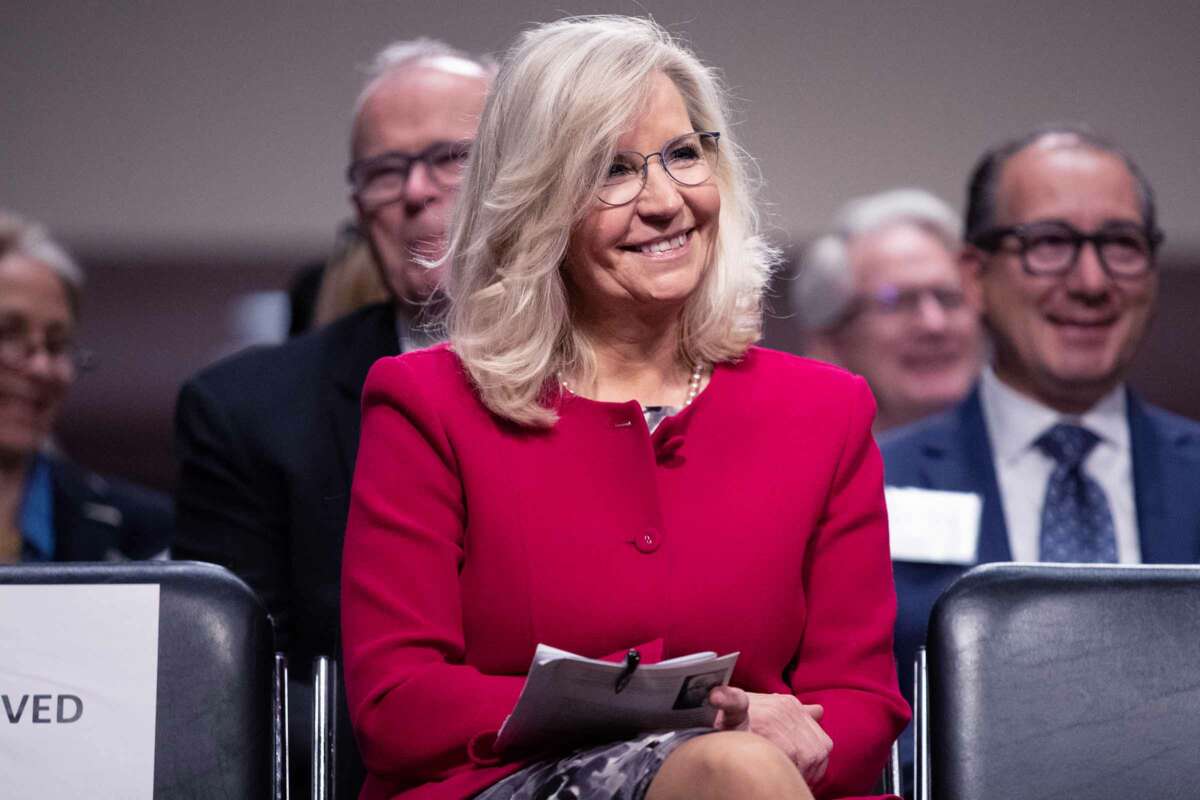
(33, 306)
(407, 111)
(918, 357)
(1067, 340)
(647, 256)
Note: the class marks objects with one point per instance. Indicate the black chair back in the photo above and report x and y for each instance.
(1066, 681)
(216, 730)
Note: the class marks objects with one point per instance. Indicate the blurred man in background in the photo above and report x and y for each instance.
(267, 440)
(881, 295)
(1051, 457)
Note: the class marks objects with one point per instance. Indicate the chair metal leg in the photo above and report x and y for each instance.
(324, 774)
(280, 781)
(889, 781)
(894, 769)
(922, 786)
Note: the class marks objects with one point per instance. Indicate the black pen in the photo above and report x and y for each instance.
(632, 659)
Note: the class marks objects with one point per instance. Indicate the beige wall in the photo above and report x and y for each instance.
(183, 123)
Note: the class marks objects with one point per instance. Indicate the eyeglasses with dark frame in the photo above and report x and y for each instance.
(383, 178)
(1051, 248)
(689, 160)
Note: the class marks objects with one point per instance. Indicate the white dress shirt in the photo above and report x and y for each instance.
(411, 332)
(1015, 421)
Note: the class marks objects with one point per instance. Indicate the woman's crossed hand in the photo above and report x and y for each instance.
(781, 719)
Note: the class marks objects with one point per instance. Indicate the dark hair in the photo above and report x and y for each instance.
(981, 189)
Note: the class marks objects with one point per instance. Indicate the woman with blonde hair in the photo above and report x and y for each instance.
(351, 280)
(601, 459)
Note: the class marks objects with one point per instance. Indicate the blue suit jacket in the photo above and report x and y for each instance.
(952, 452)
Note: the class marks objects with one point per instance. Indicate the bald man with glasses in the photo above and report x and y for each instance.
(1051, 457)
(267, 439)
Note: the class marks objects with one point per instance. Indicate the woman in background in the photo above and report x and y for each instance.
(51, 509)
(349, 281)
(602, 459)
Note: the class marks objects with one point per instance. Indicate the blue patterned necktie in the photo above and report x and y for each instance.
(1077, 525)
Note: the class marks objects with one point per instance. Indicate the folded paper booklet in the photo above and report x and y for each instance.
(567, 696)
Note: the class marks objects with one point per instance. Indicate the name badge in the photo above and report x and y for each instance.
(931, 526)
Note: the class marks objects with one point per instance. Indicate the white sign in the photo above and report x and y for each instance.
(933, 526)
(78, 688)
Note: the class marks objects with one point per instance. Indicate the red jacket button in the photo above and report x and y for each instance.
(648, 541)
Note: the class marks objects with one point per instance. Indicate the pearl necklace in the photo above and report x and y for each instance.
(693, 384)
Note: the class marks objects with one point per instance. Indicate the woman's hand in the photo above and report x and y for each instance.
(780, 718)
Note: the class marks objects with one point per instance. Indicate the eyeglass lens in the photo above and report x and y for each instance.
(383, 179)
(18, 345)
(689, 160)
(894, 300)
(1053, 248)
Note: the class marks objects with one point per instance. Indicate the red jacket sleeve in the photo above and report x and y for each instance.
(846, 661)
(414, 703)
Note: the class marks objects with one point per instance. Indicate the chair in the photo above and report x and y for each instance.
(889, 781)
(325, 728)
(337, 769)
(920, 776)
(1050, 680)
(220, 727)
(325, 734)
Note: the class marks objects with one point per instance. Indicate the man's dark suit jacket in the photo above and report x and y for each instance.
(952, 452)
(266, 442)
(103, 519)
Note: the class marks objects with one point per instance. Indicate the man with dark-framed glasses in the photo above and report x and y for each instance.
(1051, 457)
(267, 439)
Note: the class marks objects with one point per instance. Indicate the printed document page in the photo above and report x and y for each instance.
(569, 696)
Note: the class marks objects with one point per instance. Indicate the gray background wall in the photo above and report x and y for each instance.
(223, 122)
(193, 151)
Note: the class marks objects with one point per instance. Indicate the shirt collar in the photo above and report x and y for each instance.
(1023, 419)
(412, 333)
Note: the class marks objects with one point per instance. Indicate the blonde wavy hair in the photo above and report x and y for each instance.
(564, 94)
(351, 280)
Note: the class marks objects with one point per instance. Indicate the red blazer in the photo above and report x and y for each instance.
(752, 520)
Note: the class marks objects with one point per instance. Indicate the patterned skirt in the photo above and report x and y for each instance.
(613, 771)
